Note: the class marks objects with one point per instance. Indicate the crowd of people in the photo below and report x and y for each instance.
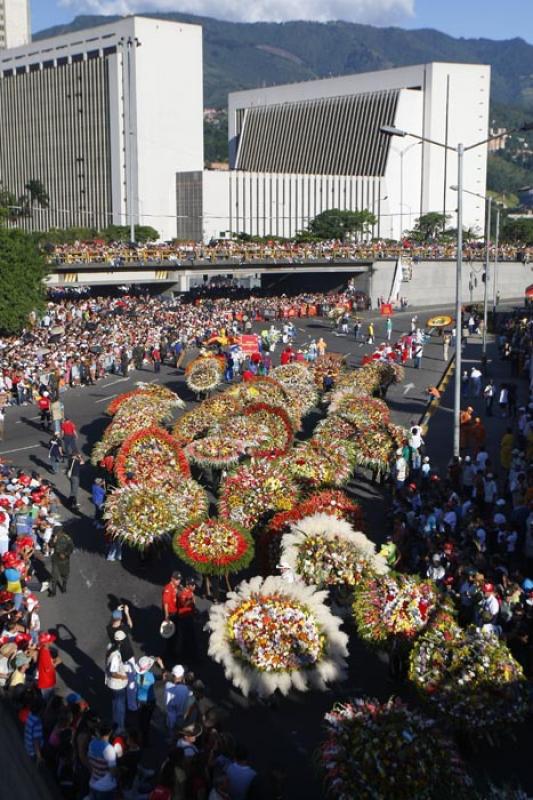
(471, 529)
(237, 252)
(78, 341)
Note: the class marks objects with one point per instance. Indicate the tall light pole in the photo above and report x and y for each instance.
(496, 249)
(128, 46)
(488, 210)
(460, 149)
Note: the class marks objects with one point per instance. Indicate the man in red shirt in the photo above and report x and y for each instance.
(43, 404)
(169, 603)
(46, 665)
(69, 434)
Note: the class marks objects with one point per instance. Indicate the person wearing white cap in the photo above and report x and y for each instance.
(145, 693)
(178, 698)
(400, 469)
(116, 679)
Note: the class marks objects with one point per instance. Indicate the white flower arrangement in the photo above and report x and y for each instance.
(324, 550)
(273, 636)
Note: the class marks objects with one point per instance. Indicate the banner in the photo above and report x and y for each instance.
(396, 281)
(249, 343)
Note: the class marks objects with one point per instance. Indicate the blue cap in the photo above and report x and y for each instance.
(527, 585)
(117, 614)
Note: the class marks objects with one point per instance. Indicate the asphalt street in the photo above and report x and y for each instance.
(281, 736)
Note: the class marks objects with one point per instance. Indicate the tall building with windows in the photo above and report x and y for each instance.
(15, 23)
(104, 118)
(300, 149)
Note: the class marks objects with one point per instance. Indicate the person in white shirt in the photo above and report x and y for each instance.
(178, 698)
(489, 608)
(490, 489)
(481, 460)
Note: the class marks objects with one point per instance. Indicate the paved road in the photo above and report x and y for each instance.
(284, 736)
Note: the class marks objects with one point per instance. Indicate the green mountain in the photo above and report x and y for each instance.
(245, 55)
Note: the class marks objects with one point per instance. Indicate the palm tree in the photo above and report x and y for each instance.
(37, 193)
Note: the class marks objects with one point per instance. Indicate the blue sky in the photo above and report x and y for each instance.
(497, 19)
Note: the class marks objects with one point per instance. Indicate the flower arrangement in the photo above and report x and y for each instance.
(375, 751)
(362, 410)
(333, 429)
(393, 605)
(326, 551)
(217, 451)
(215, 546)
(316, 465)
(470, 677)
(270, 635)
(257, 490)
(277, 425)
(151, 455)
(153, 390)
(329, 364)
(114, 435)
(375, 446)
(205, 373)
(333, 502)
(141, 515)
(150, 409)
(266, 390)
(298, 380)
(197, 422)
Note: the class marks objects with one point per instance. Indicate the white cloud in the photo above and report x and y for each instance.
(380, 12)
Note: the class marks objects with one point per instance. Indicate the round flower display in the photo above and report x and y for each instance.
(269, 391)
(216, 451)
(298, 379)
(215, 547)
(326, 551)
(151, 410)
(330, 465)
(204, 374)
(198, 421)
(255, 491)
(377, 751)
(375, 446)
(363, 410)
(394, 605)
(151, 456)
(115, 434)
(334, 429)
(471, 677)
(277, 426)
(150, 390)
(270, 635)
(141, 516)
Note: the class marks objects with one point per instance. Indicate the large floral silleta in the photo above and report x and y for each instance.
(142, 516)
(326, 551)
(394, 605)
(151, 455)
(471, 678)
(205, 373)
(214, 547)
(273, 636)
(384, 751)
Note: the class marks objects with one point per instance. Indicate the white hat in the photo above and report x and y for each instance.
(145, 663)
(399, 451)
(178, 671)
(119, 636)
(426, 459)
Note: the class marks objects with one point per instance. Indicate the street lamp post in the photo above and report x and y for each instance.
(402, 153)
(487, 265)
(460, 149)
(495, 268)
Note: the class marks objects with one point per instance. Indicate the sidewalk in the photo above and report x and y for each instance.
(439, 438)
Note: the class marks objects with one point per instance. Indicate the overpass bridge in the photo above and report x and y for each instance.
(180, 277)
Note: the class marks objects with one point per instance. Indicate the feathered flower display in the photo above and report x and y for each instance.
(141, 516)
(205, 373)
(198, 421)
(314, 465)
(264, 389)
(471, 678)
(151, 456)
(270, 635)
(394, 605)
(377, 751)
(325, 551)
(215, 547)
(216, 451)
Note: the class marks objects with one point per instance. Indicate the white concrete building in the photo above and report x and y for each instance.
(105, 118)
(299, 149)
(15, 23)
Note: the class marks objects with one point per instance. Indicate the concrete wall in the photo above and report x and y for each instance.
(433, 282)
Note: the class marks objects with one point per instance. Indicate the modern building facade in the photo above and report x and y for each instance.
(15, 23)
(299, 149)
(104, 118)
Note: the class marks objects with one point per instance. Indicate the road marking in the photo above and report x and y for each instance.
(26, 419)
(119, 380)
(408, 387)
(18, 449)
(107, 397)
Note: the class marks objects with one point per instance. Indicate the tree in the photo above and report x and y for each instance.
(22, 270)
(9, 211)
(339, 224)
(429, 226)
(121, 233)
(37, 193)
(518, 231)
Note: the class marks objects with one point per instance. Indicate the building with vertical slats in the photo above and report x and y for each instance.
(299, 149)
(98, 117)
